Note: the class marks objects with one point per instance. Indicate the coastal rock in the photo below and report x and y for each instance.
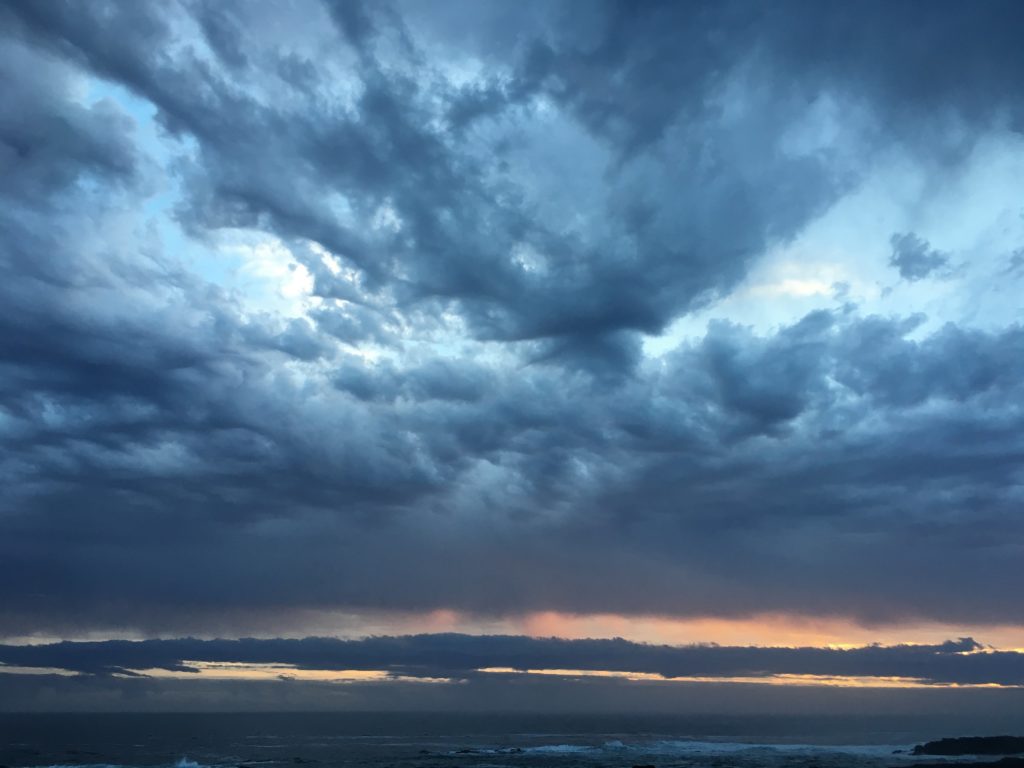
(973, 745)
(1005, 762)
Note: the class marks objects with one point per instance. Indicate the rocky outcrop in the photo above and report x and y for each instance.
(1005, 762)
(973, 745)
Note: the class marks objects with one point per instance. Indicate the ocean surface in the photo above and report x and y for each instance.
(390, 740)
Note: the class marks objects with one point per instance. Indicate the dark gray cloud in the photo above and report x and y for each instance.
(466, 417)
(461, 656)
(463, 208)
(914, 257)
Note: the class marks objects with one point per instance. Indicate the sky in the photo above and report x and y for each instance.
(411, 350)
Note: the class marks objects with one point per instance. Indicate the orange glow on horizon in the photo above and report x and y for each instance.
(769, 629)
(286, 673)
(841, 681)
(231, 670)
(763, 630)
(766, 629)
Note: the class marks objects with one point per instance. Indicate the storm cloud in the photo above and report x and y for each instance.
(468, 306)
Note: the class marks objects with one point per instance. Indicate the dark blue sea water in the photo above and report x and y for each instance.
(390, 740)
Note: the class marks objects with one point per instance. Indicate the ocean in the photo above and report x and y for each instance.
(407, 740)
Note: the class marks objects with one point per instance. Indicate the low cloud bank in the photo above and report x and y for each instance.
(961, 662)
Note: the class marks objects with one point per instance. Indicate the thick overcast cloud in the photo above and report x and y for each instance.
(682, 309)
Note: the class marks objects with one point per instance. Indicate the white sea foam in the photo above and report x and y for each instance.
(697, 749)
(182, 763)
(560, 749)
(541, 749)
(688, 747)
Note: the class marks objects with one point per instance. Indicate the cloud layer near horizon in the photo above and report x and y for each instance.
(455, 656)
(386, 306)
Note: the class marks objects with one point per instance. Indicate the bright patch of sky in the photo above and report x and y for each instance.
(842, 259)
(973, 215)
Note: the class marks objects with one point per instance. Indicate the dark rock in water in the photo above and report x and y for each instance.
(1005, 762)
(643, 766)
(973, 745)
